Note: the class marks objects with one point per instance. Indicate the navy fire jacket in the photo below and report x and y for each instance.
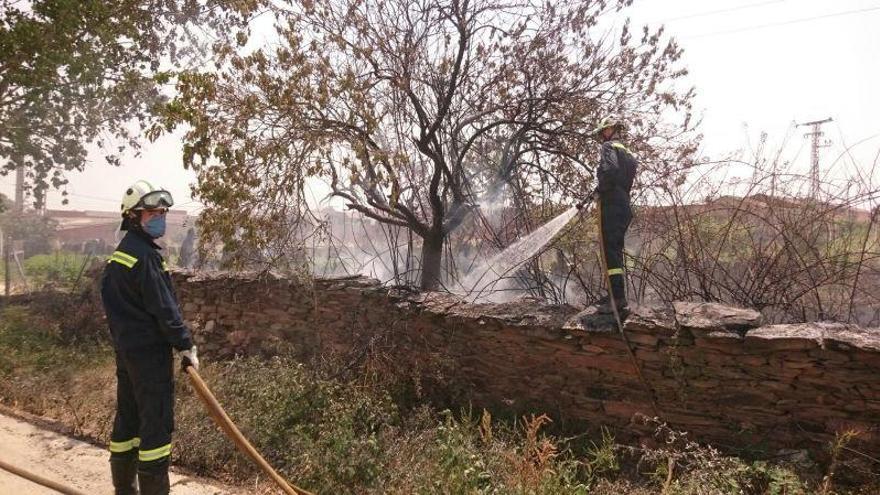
(617, 171)
(139, 300)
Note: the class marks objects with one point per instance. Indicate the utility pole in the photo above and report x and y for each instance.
(7, 279)
(816, 134)
(9, 242)
(19, 189)
(40, 202)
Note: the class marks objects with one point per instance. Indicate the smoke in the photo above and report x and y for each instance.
(483, 258)
(352, 244)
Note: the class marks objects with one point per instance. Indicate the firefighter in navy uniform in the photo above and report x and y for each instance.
(615, 174)
(146, 324)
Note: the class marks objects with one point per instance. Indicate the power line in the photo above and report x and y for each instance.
(782, 23)
(720, 11)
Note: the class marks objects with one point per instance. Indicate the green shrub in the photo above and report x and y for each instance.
(461, 465)
(468, 454)
(700, 469)
(334, 435)
(32, 345)
(59, 269)
(316, 430)
(41, 374)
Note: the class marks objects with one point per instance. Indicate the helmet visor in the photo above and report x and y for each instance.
(155, 199)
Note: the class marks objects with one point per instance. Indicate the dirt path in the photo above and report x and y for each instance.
(70, 462)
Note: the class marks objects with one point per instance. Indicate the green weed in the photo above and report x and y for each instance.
(316, 430)
(59, 269)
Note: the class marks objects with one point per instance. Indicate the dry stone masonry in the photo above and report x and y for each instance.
(712, 370)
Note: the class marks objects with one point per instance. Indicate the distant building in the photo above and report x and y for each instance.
(79, 229)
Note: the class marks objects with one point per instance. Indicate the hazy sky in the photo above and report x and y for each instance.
(757, 66)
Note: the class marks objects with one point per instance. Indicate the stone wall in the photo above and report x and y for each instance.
(711, 370)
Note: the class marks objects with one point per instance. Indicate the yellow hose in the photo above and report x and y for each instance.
(222, 419)
(58, 487)
(604, 262)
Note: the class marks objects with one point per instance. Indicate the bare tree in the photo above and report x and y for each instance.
(413, 112)
(763, 242)
(743, 230)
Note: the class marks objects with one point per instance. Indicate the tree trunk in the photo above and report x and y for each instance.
(432, 255)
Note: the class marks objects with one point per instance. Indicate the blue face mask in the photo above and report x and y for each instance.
(155, 227)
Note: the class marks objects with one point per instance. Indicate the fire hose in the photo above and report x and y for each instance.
(220, 417)
(604, 263)
(58, 487)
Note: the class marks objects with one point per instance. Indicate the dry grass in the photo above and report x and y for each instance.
(335, 435)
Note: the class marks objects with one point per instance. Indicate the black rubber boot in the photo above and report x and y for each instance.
(153, 477)
(123, 469)
(618, 291)
(603, 306)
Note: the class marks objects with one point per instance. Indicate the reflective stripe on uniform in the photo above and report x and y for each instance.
(615, 271)
(123, 259)
(153, 454)
(164, 266)
(620, 146)
(125, 446)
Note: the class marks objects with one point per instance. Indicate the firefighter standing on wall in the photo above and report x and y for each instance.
(615, 175)
(146, 324)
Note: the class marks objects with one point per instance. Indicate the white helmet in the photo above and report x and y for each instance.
(610, 120)
(143, 196)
